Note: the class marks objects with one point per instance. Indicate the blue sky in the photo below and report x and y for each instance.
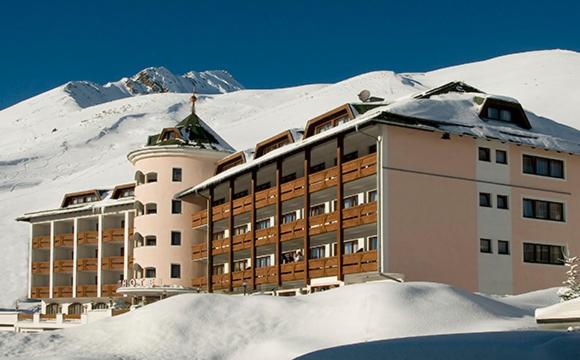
(265, 44)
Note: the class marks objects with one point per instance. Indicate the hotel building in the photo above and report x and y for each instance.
(451, 185)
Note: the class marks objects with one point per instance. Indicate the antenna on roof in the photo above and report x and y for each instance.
(364, 95)
(193, 100)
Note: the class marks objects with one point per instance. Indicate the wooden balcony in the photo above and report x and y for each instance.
(41, 267)
(323, 179)
(114, 263)
(266, 275)
(199, 218)
(88, 238)
(88, 264)
(86, 290)
(220, 281)
(358, 168)
(199, 282)
(71, 317)
(359, 262)
(39, 292)
(266, 198)
(239, 277)
(323, 223)
(266, 236)
(220, 246)
(292, 230)
(64, 240)
(63, 266)
(114, 235)
(220, 212)
(323, 267)
(292, 189)
(109, 290)
(25, 317)
(62, 292)
(292, 271)
(359, 215)
(199, 251)
(41, 242)
(242, 205)
(242, 241)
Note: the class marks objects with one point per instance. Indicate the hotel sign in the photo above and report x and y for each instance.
(139, 283)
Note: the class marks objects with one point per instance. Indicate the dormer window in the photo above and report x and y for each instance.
(499, 114)
(505, 111)
(329, 120)
(80, 198)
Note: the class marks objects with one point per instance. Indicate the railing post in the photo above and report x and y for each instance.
(253, 226)
(306, 254)
(231, 240)
(278, 221)
(339, 197)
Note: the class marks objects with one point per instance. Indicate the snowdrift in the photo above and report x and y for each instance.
(210, 326)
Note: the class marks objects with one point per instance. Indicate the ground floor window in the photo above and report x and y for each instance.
(75, 309)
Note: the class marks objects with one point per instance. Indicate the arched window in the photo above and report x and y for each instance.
(150, 208)
(138, 240)
(139, 177)
(75, 309)
(150, 272)
(99, 306)
(140, 208)
(52, 309)
(151, 177)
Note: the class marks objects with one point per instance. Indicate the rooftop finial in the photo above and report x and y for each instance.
(193, 100)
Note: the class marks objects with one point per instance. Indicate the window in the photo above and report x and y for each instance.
(505, 115)
(218, 269)
(150, 272)
(372, 196)
(175, 238)
(492, 113)
(349, 202)
(175, 271)
(503, 247)
(484, 154)
(218, 202)
(373, 149)
(288, 178)
(543, 254)
(289, 217)
(151, 177)
(543, 167)
(176, 206)
(263, 261)
(263, 186)
(317, 210)
(317, 252)
(317, 167)
(323, 127)
(240, 265)
(242, 229)
(127, 193)
(240, 194)
(485, 199)
(545, 210)
(500, 157)
(350, 247)
(176, 176)
(150, 240)
(502, 202)
(150, 208)
(350, 156)
(372, 243)
(485, 246)
(263, 224)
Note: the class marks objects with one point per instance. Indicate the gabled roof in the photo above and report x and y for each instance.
(119, 188)
(453, 86)
(343, 110)
(281, 139)
(70, 196)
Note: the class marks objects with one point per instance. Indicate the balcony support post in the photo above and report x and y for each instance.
(100, 255)
(126, 246)
(30, 250)
(231, 237)
(278, 223)
(253, 228)
(51, 262)
(306, 215)
(209, 240)
(75, 256)
(339, 205)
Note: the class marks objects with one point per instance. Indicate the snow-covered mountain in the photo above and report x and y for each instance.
(66, 140)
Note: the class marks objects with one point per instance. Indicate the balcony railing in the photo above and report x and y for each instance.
(358, 168)
(41, 267)
(323, 179)
(88, 237)
(266, 197)
(292, 271)
(86, 290)
(242, 241)
(359, 262)
(323, 223)
(41, 242)
(114, 263)
(63, 266)
(292, 189)
(265, 236)
(242, 205)
(266, 275)
(323, 267)
(62, 292)
(88, 264)
(115, 235)
(220, 212)
(221, 281)
(109, 290)
(199, 218)
(239, 277)
(39, 292)
(359, 215)
(199, 282)
(292, 230)
(199, 251)
(64, 240)
(220, 246)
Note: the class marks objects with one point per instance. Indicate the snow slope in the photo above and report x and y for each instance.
(56, 143)
(210, 326)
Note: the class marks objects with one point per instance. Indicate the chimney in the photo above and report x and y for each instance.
(193, 100)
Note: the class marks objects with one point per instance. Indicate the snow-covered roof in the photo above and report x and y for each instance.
(449, 108)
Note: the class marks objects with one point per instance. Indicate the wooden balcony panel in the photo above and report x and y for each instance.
(62, 292)
(71, 317)
(114, 235)
(39, 292)
(292, 230)
(359, 262)
(266, 236)
(266, 275)
(220, 212)
(323, 223)
(112, 263)
(109, 290)
(323, 179)
(63, 266)
(266, 197)
(220, 281)
(242, 241)
(46, 317)
(359, 168)
(199, 218)
(88, 237)
(239, 277)
(220, 246)
(242, 205)
(117, 312)
(292, 271)
(199, 282)
(86, 290)
(41, 267)
(64, 240)
(25, 317)
(360, 215)
(323, 267)
(198, 251)
(41, 242)
(87, 264)
(292, 189)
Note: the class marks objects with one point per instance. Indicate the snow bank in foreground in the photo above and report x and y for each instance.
(208, 326)
(529, 345)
